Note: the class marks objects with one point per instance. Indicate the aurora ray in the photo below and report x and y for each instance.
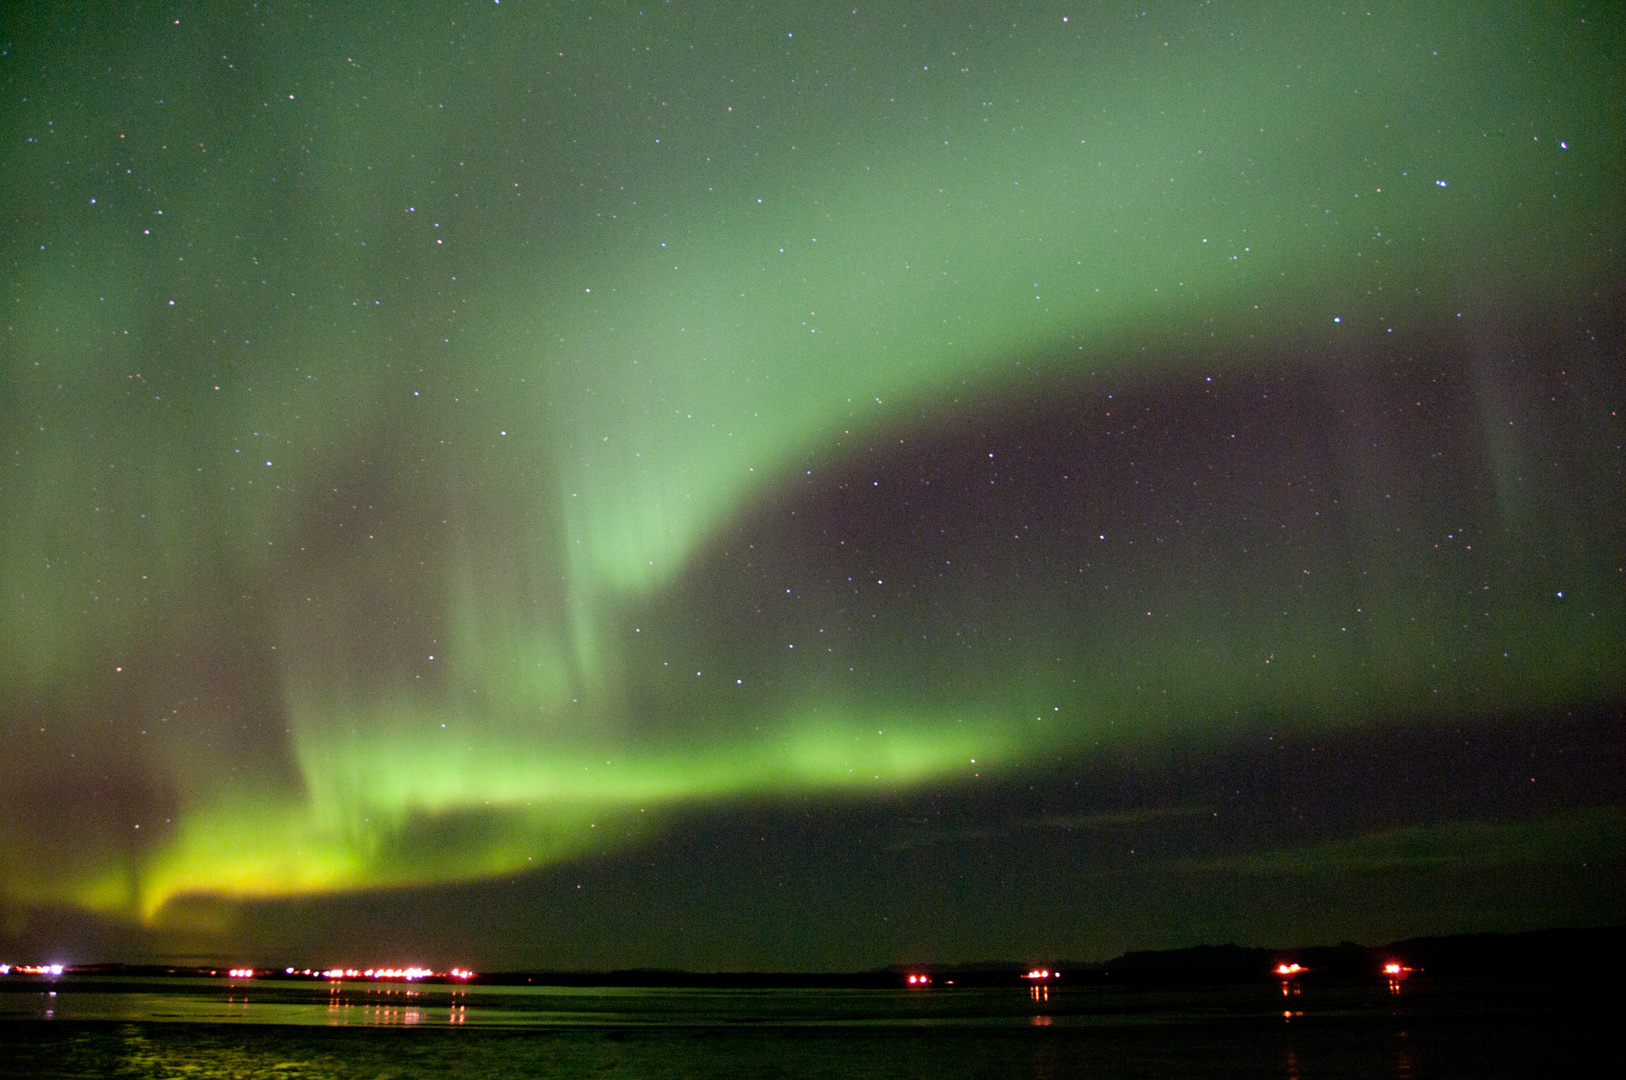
(385, 395)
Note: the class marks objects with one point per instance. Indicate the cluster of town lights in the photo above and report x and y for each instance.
(1042, 975)
(920, 980)
(406, 973)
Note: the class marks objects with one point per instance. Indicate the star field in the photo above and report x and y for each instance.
(471, 451)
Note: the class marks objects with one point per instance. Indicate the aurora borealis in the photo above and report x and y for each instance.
(781, 485)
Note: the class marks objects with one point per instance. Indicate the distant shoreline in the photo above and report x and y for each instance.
(1534, 952)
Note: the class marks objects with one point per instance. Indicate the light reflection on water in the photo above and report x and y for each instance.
(369, 1004)
(203, 1029)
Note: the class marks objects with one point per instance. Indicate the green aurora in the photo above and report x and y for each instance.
(390, 400)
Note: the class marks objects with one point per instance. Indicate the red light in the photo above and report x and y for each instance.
(1287, 971)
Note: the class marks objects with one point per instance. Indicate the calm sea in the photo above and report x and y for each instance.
(206, 1029)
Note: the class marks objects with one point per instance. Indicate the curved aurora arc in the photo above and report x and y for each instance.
(353, 455)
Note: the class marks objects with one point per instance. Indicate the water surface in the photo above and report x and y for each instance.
(205, 1029)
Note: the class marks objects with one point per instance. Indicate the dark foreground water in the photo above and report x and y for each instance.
(207, 1029)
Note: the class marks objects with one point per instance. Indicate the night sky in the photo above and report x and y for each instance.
(794, 486)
